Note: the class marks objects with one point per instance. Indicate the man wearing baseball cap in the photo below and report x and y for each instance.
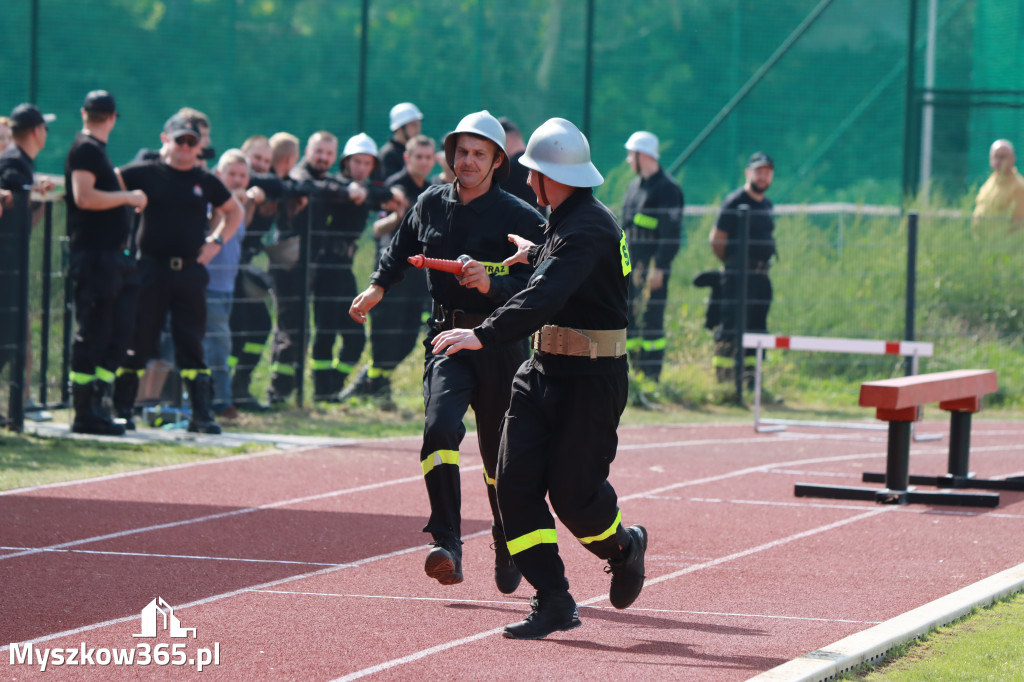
(724, 239)
(175, 243)
(17, 178)
(105, 277)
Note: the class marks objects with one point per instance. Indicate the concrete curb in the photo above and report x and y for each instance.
(872, 644)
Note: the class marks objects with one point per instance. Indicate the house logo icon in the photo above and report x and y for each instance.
(150, 620)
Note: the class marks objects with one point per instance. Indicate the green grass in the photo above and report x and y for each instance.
(988, 644)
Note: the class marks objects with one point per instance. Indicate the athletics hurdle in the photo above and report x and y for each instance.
(899, 402)
(762, 342)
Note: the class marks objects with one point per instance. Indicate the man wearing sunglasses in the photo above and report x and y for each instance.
(173, 250)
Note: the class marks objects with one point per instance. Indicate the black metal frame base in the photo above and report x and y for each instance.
(955, 482)
(897, 497)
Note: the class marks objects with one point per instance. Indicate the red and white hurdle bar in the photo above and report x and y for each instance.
(763, 342)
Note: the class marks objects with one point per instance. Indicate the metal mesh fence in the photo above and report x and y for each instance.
(830, 110)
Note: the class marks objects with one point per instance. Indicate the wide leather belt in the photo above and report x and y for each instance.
(587, 343)
(445, 319)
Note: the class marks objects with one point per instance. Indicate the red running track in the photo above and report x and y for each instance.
(308, 564)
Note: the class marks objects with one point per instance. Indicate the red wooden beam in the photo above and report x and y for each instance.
(938, 387)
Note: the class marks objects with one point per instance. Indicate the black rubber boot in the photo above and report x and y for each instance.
(360, 386)
(506, 576)
(444, 561)
(200, 394)
(90, 416)
(550, 612)
(326, 384)
(126, 386)
(628, 572)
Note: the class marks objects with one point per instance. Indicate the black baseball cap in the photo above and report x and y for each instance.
(26, 116)
(179, 125)
(99, 102)
(758, 159)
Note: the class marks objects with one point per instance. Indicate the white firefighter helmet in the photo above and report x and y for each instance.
(403, 113)
(360, 144)
(643, 142)
(481, 124)
(560, 151)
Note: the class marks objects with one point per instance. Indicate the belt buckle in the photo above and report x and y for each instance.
(176, 263)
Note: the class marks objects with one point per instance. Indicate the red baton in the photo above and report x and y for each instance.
(453, 266)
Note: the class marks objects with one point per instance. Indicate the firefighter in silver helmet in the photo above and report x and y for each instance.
(471, 216)
(559, 438)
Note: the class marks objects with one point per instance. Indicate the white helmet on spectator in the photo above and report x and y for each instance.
(560, 151)
(360, 144)
(643, 142)
(481, 124)
(403, 113)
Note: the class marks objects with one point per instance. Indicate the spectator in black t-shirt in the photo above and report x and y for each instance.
(724, 238)
(106, 282)
(29, 130)
(173, 250)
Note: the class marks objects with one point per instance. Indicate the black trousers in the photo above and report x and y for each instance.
(396, 320)
(289, 287)
(182, 293)
(646, 330)
(759, 301)
(106, 291)
(451, 385)
(559, 440)
(250, 324)
(334, 287)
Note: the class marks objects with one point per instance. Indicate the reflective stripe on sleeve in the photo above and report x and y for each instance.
(627, 266)
(81, 378)
(253, 348)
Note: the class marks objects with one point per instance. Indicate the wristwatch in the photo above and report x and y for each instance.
(215, 239)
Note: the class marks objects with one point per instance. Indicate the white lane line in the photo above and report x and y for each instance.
(722, 614)
(153, 470)
(440, 648)
(427, 652)
(373, 486)
(240, 591)
(151, 555)
(204, 462)
(223, 515)
(823, 505)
